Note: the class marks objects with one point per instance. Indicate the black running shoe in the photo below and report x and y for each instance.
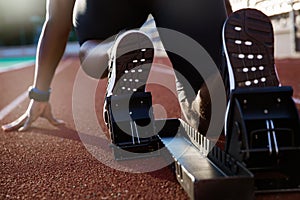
(130, 64)
(131, 60)
(249, 47)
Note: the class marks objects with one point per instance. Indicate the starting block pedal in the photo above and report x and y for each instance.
(262, 131)
(131, 125)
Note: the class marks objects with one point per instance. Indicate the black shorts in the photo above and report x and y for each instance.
(201, 20)
(100, 19)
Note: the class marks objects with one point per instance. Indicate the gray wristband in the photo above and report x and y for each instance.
(38, 95)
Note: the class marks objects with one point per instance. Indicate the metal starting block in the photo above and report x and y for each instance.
(131, 125)
(263, 133)
(261, 152)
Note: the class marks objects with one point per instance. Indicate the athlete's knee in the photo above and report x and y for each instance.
(86, 48)
(94, 58)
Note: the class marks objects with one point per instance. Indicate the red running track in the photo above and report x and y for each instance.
(49, 162)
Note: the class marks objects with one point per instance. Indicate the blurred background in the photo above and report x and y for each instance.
(21, 23)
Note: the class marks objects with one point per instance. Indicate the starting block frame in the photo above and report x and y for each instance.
(263, 133)
(131, 125)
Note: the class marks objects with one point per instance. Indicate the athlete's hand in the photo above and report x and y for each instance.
(35, 110)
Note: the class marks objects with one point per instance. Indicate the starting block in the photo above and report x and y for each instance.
(262, 143)
(131, 125)
(262, 132)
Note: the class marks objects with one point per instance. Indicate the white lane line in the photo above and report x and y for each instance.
(10, 107)
(17, 66)
(7, 109)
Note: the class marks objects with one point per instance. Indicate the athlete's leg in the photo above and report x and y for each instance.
(98, 51)
(94, 56)
(96, 22)
(202, 21)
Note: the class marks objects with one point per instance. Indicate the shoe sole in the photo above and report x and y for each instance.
(249, 48)
(134, 54)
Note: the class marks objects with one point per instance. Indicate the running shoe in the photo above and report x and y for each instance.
(249, 48)
(130, 63)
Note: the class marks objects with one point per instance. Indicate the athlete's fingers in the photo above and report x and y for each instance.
(35, 110)
(49, 116)
(15, 125)
(28, 123)
(54, 121)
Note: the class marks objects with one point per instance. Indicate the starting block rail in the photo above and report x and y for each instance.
(202, 169)
(200, 176)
